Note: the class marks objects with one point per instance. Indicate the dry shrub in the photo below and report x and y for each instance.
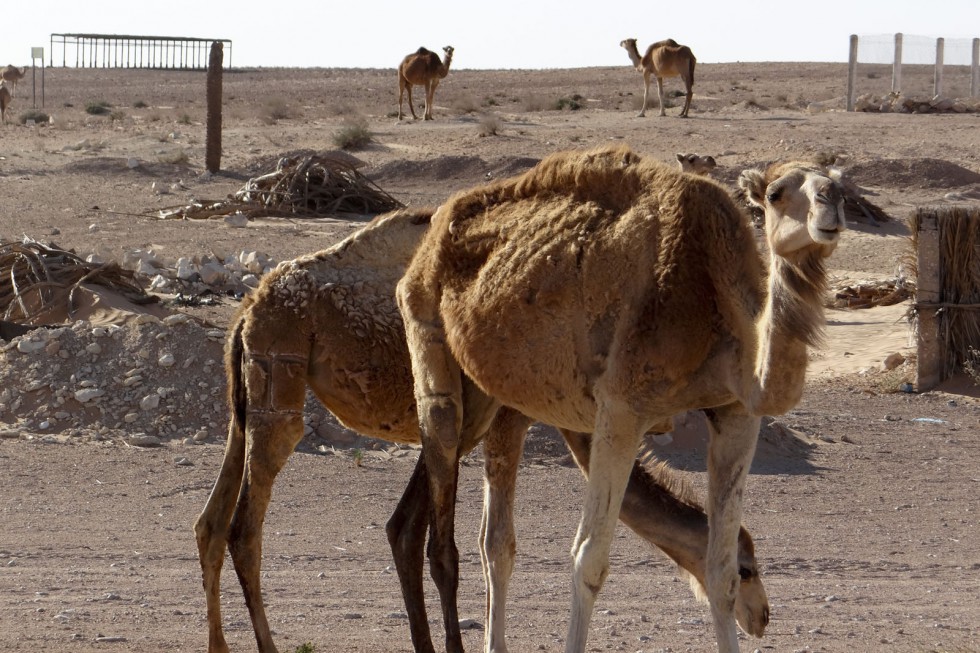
(466, 104)
(489, 125)
(353, 134)
(176, 157)
(534, 103)
(275, 109)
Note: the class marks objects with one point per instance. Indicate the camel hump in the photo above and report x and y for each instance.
(422, 52)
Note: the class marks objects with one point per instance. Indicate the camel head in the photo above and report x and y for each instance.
(696, 163)
(803, 203)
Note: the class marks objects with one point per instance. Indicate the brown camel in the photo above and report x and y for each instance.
(4, 101)
(329, 321)
(696, 164)
(663, 59)
(11, 74)
(602, 292)
(422, 68)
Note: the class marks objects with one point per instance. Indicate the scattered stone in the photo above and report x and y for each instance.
(893, 361)
(143, 440)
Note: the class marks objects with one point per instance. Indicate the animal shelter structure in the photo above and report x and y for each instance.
(128, 51)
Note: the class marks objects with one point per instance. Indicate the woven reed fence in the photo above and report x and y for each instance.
(947, 305)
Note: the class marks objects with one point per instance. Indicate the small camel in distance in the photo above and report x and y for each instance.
(422, 68)
(603, 292)
(4, 101)
(10, 73)
(329, 322)
(696, 164)
(663, 59)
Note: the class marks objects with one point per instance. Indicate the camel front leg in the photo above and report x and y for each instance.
(406, 535)
(430, 96)
(211, 531)
(646, 94)
(502, 449)
(660, 93)
(614, 445)
(734, 434)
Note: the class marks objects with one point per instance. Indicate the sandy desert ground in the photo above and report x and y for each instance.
(865, 522)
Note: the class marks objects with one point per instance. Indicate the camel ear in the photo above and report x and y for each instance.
(753, 183)
(680, 157)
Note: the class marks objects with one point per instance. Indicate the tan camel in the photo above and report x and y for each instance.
(422, 68)
(329, 321)
(696, 164)
(663, 59)
(4, 101)
(603, 292)
(11, 74)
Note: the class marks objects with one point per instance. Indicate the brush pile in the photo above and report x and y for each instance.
(36, 278)
(302, 185)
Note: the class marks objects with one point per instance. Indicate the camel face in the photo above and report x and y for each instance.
(804, 207)
(696, 164)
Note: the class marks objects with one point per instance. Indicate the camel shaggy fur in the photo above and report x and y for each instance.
(663, 59)
(329, 322)
(4, 101)
(696, 164)
(422, 68)
(603, 292)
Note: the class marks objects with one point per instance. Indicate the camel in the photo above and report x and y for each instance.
(603, 292)
(11, 74)
(696, 164)
(422, 68)
(663, 59)
(4, 101)
(329, 321)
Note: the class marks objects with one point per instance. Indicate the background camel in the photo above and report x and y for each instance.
(663, 59)
(422, 68)
(4, 101)
(11, 74)
(512, 289)
(696, 163)
(329, 321)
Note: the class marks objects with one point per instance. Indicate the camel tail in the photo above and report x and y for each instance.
(237, 395)
(690, 72)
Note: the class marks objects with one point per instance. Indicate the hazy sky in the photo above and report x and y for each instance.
(493, 34)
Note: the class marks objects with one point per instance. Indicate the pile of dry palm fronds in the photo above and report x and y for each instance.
(316, 184)
(36, 278)
(958, 305)
(869, 295)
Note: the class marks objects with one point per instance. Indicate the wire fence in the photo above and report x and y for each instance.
(913, 65)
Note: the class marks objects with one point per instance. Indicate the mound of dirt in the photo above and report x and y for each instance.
(471, 169)
(913, 172)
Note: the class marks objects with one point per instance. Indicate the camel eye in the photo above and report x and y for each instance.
(744, 573)
(774, 195)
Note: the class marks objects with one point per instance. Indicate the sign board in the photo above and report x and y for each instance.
(37, 53)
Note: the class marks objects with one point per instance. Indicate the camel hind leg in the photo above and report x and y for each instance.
(211, 529)
(660, 94)
(734, 434)
(502, 447)
(613, 450)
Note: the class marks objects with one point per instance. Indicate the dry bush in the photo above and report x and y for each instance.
(275, 109)
(534, 103)
(466, 104)
(176, 157)
(353, 134)
(489, 125)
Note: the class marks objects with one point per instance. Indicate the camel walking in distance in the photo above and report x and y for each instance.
(603, 292)
(696, 164)
(12, 74)
(422, 68)
(663, 59)
(329, 322)
(4, 101)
